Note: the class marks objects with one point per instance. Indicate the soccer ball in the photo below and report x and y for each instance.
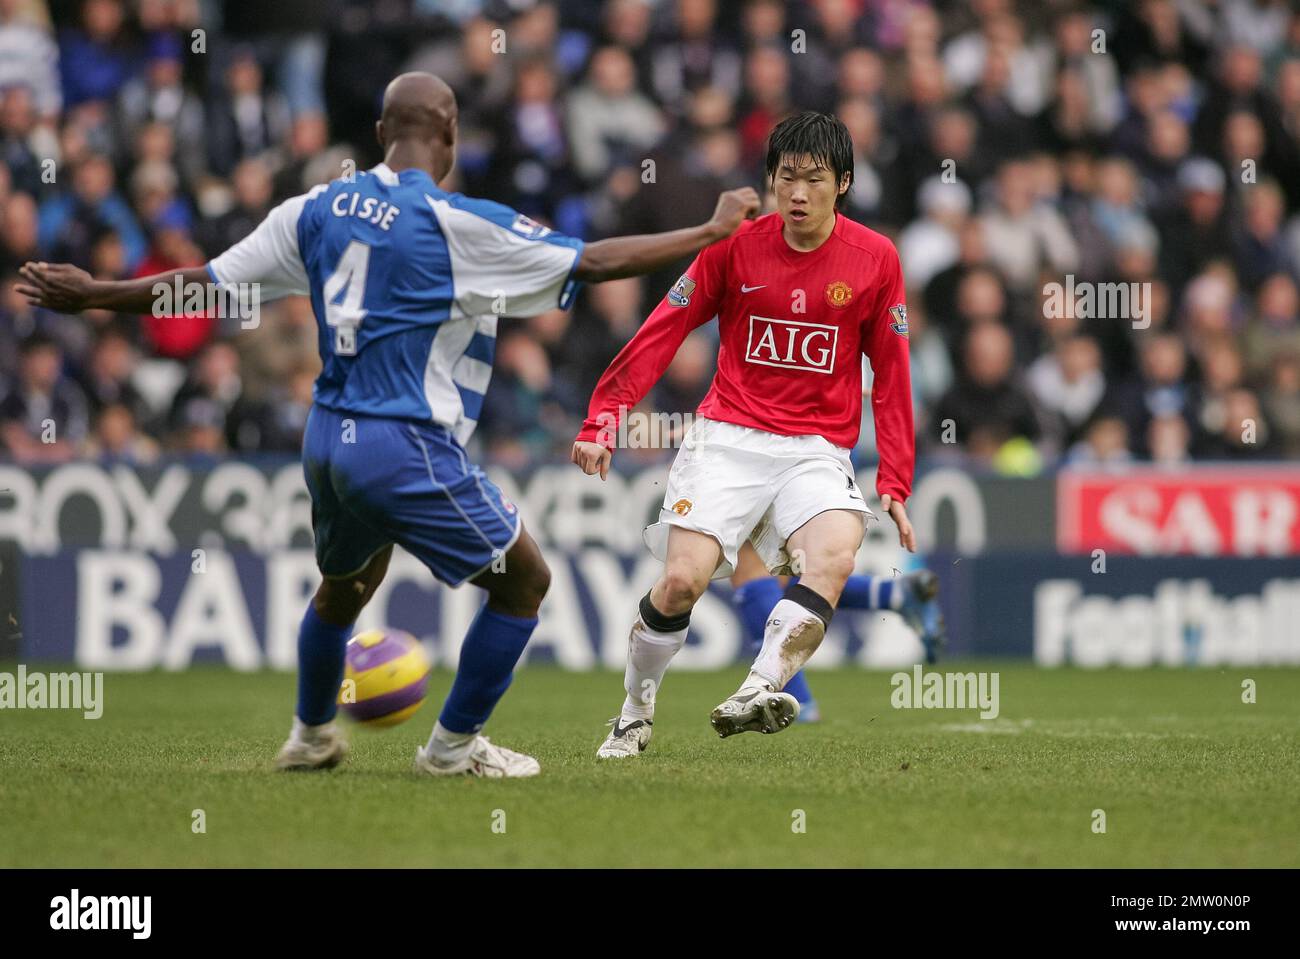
(386, 677)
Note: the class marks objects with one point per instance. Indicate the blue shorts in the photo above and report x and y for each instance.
(377, 481)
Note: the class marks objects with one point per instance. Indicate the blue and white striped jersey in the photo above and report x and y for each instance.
(407, 283)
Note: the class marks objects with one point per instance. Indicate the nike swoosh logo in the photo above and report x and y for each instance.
(751, 289)
(619, 731)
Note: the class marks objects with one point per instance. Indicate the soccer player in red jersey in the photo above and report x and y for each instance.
(800, 295)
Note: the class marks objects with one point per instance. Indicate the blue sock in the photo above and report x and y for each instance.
(754, 601)
(858, 592)
(321, 651)
(493, 645)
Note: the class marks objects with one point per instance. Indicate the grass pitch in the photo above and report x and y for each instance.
(1185, 772)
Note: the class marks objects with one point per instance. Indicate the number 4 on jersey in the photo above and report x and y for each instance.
(349, 280)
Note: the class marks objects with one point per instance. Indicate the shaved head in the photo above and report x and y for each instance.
(418, 124)
(418, 106)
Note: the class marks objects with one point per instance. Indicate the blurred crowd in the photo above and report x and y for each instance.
(1006, 147)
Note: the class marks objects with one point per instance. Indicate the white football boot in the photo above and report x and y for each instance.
(312, 747)
(485, 759)
(754, 711)
(629, 740)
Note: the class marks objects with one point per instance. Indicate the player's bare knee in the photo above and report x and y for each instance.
(680, 588)
(835, 565)
(340, 601)
(536, 585)
(520, 591)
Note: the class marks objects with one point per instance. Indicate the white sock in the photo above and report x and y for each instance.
(792, 635)
(448, 747)
(648, 654)
(303, 733)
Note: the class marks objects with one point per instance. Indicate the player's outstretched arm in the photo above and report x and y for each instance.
(267, 259)
(65, 288)
(623, 256)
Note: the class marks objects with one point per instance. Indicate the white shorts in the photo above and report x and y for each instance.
(736, 483)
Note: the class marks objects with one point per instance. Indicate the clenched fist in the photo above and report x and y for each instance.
(592, 457)
(734, 208)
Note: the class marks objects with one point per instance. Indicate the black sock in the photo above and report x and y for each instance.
(811, 601)
(658, 621)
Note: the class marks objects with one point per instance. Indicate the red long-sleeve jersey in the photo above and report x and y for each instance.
(792, 328)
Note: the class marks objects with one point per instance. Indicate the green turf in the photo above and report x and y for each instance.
(1186, 773)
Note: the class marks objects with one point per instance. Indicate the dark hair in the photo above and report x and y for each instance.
(822, 138)
(37, 341)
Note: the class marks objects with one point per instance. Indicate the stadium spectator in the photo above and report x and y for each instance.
(245, 118)
(284, 341)
(608, 118)
(526, 408)
(1281, 400)
(308, 137)
(29, 56)
(932, 372)
(601, 325)
(17, 126)
(96, 57)
(159, 97)
(930, 245)
(212, 399)
(1196, 232)
(695, 56)
(986, 407)
(1068, 384)
(1025, 238)
(116, 438)
(1169, 440)
(1159, 390)
(1235, 428)
(18, 232)
(106, 380)
(252, 188)
(43, 418)
(1261, 248)
(175, 333)
(1274, 330)
(69, 222)
(1104, 444)
(1000, 145)
(531, 163)
(874, 191)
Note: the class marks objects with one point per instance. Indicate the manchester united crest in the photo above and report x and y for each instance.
(839, 294)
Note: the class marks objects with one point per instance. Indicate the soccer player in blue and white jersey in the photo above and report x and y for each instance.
(407, 283)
